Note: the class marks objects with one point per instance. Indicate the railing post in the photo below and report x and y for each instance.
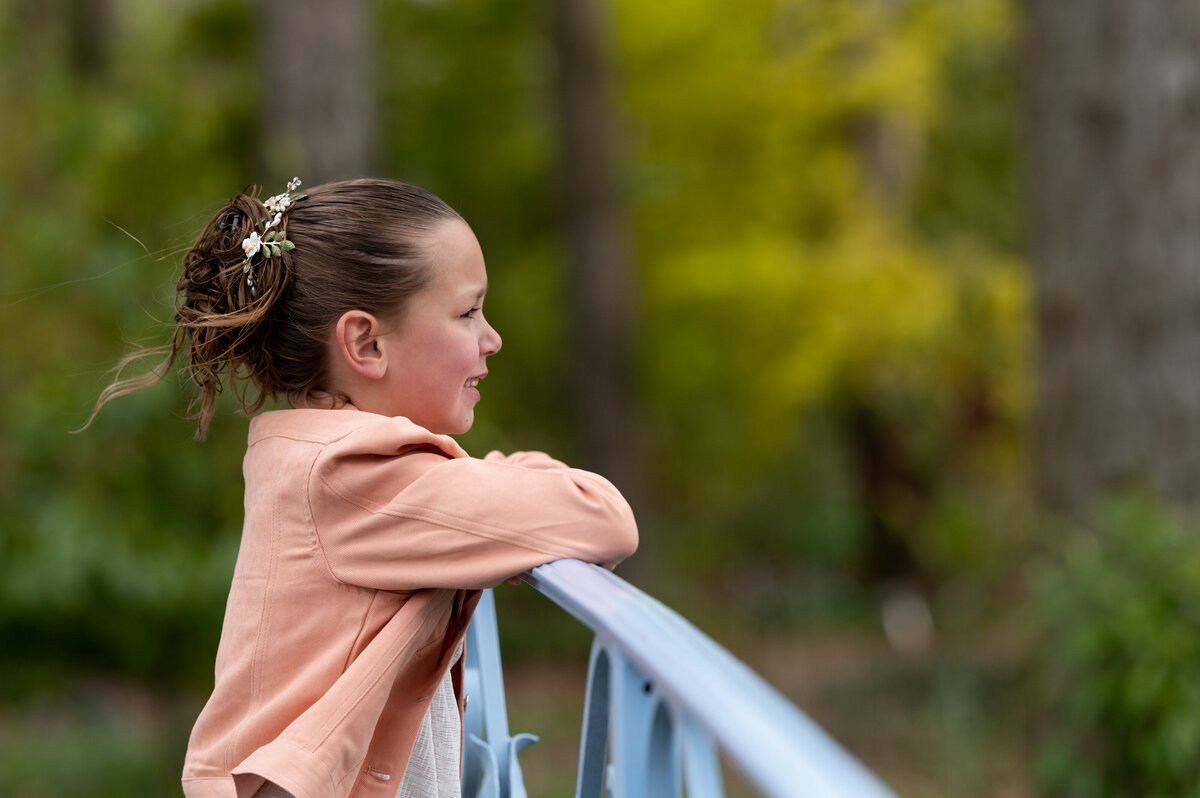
(653, 750)
(593, 743)
(643, 748)
(490, 767)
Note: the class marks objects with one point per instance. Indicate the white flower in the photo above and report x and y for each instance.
(281, 202)
(278, 204)
(251, 244)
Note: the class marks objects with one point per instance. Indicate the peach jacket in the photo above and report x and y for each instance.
(358, 571)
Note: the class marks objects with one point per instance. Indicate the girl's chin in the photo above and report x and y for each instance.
(457, 426)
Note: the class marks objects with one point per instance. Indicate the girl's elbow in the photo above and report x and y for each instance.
(630, 538)
(624, 531)
(618, 552)
(612, 533)
(609, 538)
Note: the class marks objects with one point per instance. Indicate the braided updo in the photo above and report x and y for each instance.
(358, 245)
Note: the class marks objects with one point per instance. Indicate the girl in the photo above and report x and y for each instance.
(368, 531)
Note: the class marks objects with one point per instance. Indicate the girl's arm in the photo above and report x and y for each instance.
(423, 519)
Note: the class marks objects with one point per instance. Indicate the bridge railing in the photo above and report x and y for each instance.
(663, 702)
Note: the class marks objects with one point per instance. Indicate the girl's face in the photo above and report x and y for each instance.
(439, 347)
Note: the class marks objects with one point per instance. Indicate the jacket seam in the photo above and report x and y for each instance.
(358, 636)
(408, 511)
(415, 512)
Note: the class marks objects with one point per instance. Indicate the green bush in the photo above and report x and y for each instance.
(1119, 666)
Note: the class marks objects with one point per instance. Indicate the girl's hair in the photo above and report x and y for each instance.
(358, 245)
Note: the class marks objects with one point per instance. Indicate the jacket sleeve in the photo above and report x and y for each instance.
(464, 522)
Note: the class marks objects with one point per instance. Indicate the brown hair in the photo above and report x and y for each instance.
(358, 245)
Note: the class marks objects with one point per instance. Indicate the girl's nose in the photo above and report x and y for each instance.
(491, 340)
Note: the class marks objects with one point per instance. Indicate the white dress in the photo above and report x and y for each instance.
(433, 767)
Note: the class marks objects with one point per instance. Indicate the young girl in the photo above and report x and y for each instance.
(368, 532)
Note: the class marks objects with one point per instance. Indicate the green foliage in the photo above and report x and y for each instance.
(826, 220)
(116, 547)
(1119, 662)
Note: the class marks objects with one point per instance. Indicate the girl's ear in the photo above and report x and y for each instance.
(356, 342)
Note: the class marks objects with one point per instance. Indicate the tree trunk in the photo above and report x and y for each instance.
(319, 116)
(602, 317)
(1115, 165)
(90, 24)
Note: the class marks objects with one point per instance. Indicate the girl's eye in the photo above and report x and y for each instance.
(470, 314)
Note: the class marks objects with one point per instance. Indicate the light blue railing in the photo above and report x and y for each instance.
(662, 701)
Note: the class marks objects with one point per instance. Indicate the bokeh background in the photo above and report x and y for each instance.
(882, 311)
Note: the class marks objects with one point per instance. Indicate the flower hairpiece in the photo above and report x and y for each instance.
(272, 243)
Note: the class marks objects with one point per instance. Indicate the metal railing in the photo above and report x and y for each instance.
(662, 702)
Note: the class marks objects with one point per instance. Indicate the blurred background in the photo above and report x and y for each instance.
(883, 312)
